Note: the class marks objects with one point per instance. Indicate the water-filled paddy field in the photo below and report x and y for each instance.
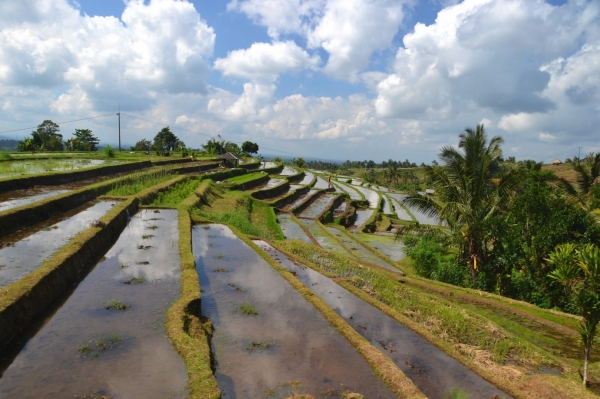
(292, 230)
(108, 336)
(268, 340)
(434, 372)
(24, 251)
(10, 169)
(318, 206)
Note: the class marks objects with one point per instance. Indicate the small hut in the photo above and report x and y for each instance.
(430, 191)
(229, 160)
(556, 162)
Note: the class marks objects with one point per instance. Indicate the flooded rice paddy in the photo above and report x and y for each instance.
(308, 177)
(434, 372)
(14, 199)
(266, 165)
(24, 251)
(282, 344)
(384, 244)
(371, 195)
(322, 183)
(362, 215)
(318, 206)
(301, 200)
(287, 171)
(324, 239)
(387, 206)
(419, 215)
(400, 211)
(350, 190)
(11, 169)
(87, 350)
(359, 250)
(292, 230)
(274, 182)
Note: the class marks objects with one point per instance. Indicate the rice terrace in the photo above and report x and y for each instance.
(212, 273)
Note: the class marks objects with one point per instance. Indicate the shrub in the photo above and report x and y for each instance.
(109, 152)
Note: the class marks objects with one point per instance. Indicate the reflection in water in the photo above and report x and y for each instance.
(303, 346)
(274, 182)
(13, 201)
(324, 239)
(318, 206)
(385, 244)
(302, 198)
(400, 211)
(144, 364)
(291, 229)
(350, 190)
(287, 171)
(419, 215)
(428, 367)
(387, 208)
(308, 177)
(24, 251)
(361, 217)
(359, 249)
(371, 196)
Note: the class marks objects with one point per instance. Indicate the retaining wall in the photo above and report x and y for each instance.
(290, 198)
(250, 184)
(297, 210)
(295, 178)
(271, 192)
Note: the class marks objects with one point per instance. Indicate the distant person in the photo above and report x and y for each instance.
(329, 182)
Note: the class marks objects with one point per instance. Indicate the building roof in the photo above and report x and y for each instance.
(556, 161)
(228, 155)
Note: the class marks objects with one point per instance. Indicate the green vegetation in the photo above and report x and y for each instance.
(99, 345)
(177, 193)
(247, 309)
(238, 180)
(258, 346)
(115, 304)
(136, 182)
(4, 155)
(109, 152)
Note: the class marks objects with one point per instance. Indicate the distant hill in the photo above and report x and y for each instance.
(8, 145)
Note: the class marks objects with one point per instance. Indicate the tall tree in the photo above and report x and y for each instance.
(249, 147)
(46, 136)
(471, 187)
(165, 141)
(586, 193)
(84, 140)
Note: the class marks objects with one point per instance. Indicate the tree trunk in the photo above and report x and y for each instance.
(586, 359)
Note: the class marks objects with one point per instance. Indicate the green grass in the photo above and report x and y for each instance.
(136, 182)
(115, 304)
(177, 193)
(245, 178)
(5, 155)
(258, 346)
(247, 309)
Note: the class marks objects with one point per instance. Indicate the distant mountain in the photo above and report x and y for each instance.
(8, 145)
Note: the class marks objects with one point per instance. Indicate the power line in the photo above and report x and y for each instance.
(58, 123)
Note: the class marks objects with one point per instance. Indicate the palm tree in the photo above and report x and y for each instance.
(588, 176)
(471, 187)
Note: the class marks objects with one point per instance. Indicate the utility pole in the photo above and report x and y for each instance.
(579, 156)
(119, 115)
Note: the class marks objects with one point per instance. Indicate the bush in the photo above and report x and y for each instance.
(5, 155)
(431, 260)
(109, 151)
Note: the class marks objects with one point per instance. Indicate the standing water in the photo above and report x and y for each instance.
(282, 344)
(86, 350)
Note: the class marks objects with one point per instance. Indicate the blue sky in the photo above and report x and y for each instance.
(331, 79)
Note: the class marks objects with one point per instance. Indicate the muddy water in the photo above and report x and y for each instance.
(434, 372)
(305, 355)
(24, 251)
(359, 250)
(308, 177)
(23, 197)
(361, 217)
(371, 196)
(384, 189)
(419, 215)
(401, 211)
(340, 209)
(324, 239)
(318, 206)
(352, 192)
(287, 171)
(357, 182)
(292, 230)
(385, 244)
(144, 364)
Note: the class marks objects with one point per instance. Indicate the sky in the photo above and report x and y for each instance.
(327, 79)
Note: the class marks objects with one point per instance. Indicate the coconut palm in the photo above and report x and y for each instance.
(472, 186)
(588, 177)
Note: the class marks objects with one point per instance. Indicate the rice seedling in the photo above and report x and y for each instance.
(247, 309)
(115, 304)
(136, 182)
(258, 346)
